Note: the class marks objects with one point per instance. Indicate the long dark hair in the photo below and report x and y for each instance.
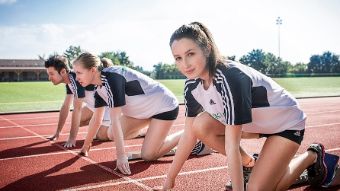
(200, 34)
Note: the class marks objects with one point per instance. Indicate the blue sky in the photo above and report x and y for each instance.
(29, 28)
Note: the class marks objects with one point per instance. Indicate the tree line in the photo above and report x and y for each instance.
(265, 62)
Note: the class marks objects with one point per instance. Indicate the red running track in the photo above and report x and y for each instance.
(28, 161)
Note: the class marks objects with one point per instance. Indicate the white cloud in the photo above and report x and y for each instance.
(144, 35)
(143, 47)
(7, 1)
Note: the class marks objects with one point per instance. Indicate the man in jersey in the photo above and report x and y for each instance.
(59, 72)
(135, 101)
(226, 101)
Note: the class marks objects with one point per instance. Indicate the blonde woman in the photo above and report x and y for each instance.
(135, 101)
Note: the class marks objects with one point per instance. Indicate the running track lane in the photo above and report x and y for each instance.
(67, 171)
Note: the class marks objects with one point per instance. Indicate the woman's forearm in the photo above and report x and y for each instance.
(119, 139)
(185, 146)
(235, 168)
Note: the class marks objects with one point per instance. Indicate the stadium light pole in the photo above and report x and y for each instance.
(279, 23)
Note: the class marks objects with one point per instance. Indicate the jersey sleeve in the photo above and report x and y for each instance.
(79, 91)
(68, 90)
(192, 107)
(237, 96)
(99, 101)
(115, 85)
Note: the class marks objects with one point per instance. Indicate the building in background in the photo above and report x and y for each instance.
(15, 70)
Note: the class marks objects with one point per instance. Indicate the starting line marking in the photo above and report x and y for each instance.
(88, 159)
(35, 125)
(49, 124)
(66, 152)
(127, 180)
(147, 178)
(35, 136)
(29, 118)
(158, 177)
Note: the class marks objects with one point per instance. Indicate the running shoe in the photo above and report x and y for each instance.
(246, 175)
(317, 172)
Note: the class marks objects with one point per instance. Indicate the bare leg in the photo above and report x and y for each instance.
(211, 132)
(86, 115)
(132, 126)
(102, 133)
(295, 168)
(273, 163)
(156, 142)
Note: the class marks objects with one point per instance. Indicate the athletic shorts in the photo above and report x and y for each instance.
(293, 135)
(168, 115)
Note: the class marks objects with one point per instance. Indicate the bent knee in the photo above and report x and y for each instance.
(200, 125)
(102, 134)
(84, 123)
(148, 156)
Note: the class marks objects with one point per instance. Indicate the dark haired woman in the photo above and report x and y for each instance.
(226, 100)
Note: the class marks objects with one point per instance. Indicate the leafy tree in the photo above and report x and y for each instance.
(329, 62)
(72, 52)
(118, 58)
(326, 63)
(314, 65)
(275, 65)
(266, 63)
(121, 58)
(166, 71)
(298, 68)
(255, 59)
(112, 56)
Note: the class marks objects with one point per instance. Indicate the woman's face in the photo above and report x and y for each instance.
(190, 58)
(84, 76)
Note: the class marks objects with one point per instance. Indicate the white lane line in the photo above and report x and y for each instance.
(147, 178)
(48, 124)
(29, 102)
(34, 136)
(161, 176)
(35, 125)
(29, 118)
(43, 117)
(24, 137)
(331, 150)
(87, 159)
(322, 125)
(66, 152)
(323, 112)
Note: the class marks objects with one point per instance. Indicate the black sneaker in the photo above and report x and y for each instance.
(303, 179)
(246, 175)
(201, 149)
(317, 172)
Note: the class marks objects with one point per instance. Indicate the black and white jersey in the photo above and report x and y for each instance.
(240, 95)
(89, 96)
(84, 92)
(139, 96)
(90, 101)
(74, 87)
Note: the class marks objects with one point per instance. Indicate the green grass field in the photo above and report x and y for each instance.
(36, 96)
